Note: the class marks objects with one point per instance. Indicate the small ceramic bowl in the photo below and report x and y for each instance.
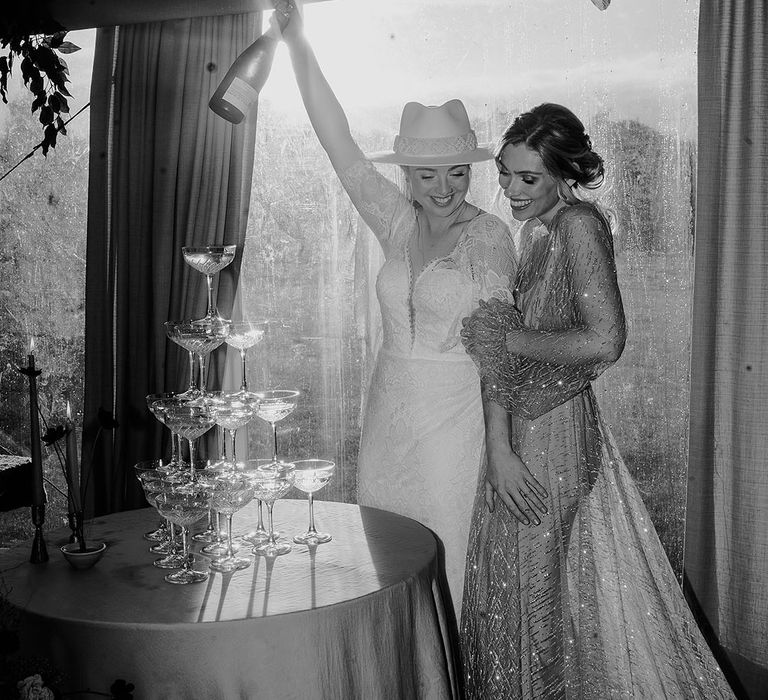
(83, 560)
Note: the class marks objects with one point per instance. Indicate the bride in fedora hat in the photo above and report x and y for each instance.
(422, 439)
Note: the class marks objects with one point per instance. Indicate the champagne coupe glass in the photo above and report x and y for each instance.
(200, 338)
(244, 335)
(160, 535)
(212, 536)
(183, 504)
(232, 410)
(269, 485)
(191, 420)
(274, 405)
(260, 534)
(311, 475)
(209, 259)
(157, 403)
(229, 492)
(151, 478)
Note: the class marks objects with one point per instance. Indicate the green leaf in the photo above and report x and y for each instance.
(46, 115)
(5, 71)
(67, 47)
(38, 102)
(28, 69)
(46, 60)
(49, 138)
(58, 103)
(56, 40)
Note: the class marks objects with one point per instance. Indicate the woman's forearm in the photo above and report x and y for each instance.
(568, 346)
(496, 424)
(325, 113)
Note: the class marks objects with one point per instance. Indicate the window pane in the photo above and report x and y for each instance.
(629, 72)
(42, 270)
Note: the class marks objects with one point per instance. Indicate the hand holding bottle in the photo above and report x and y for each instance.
(291, 12)
(239, 90)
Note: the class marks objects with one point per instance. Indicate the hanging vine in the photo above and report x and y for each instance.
(43, 70)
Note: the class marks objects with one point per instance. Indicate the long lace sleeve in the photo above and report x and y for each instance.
(492, 258)
(378, 201)
(567, 327)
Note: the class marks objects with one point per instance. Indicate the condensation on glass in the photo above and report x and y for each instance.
(629, 72)
(42, 273)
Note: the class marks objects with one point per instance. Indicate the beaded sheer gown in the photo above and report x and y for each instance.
(584, 605)
(422, 435)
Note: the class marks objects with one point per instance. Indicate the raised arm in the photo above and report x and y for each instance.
(325, 113)
(378, 200)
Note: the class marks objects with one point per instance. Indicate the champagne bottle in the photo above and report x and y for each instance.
(240, 88)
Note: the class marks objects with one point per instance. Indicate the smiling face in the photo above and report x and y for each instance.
(530, 189)
(440, 190)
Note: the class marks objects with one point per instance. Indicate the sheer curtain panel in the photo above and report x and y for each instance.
(165, 172)
(726, 553)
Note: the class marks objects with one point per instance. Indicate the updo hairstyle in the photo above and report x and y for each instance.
(559, 137)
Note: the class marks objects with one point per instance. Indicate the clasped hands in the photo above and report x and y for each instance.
(489, 327)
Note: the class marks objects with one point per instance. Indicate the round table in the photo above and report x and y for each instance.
(358, 617)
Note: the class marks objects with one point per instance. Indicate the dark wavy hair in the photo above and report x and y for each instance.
(559, 137)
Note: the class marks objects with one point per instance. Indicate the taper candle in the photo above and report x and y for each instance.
(38, 493)
(73, 464)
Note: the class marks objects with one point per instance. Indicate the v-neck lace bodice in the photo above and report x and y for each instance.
(422, 310)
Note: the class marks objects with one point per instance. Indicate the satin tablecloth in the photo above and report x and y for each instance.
(359, 617)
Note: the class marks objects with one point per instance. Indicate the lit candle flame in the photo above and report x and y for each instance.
(69, 410)
(32, 345)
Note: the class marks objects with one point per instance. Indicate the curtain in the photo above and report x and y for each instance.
(726, 553)
(165, 172)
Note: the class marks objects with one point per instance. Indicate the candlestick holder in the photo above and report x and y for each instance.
(39, 550)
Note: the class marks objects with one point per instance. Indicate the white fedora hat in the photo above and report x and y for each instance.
(434, 136)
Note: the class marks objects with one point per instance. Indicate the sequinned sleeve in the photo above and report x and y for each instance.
(378, 200)
(569, 328)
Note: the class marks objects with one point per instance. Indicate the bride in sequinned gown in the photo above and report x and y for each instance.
(568, 593)
(422, 435)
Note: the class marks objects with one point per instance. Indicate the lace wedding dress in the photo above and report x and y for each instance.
(584, 605)
(423, 432)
